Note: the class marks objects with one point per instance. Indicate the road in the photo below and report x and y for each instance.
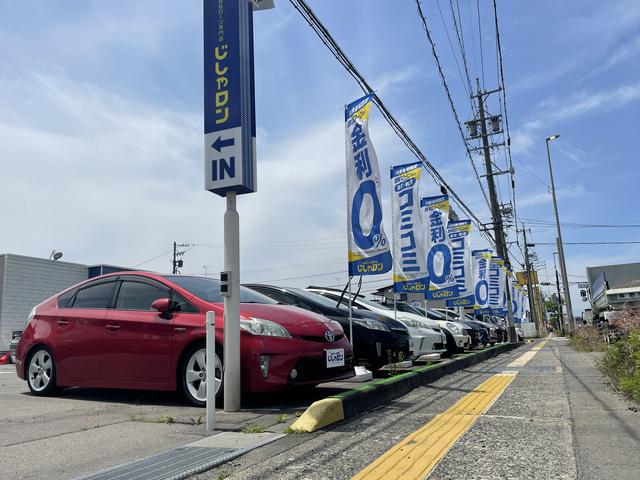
(555, 420)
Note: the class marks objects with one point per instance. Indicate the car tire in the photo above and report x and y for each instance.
(452, 348)
(192, 374)
(40, 370)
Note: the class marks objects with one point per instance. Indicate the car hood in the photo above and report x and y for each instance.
(296, 320)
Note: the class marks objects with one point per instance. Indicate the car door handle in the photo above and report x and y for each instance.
(112, 327)
(180, 329)
(63, 323)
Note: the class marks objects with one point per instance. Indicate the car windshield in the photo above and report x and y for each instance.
(405, 307)
(313, 297)
(361, 301)
(437, 315)
(208, 289)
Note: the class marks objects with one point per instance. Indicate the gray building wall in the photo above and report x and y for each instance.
(26, 282)
(616, 275)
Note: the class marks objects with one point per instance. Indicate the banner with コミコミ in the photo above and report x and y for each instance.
(459, 236)
(409, 269)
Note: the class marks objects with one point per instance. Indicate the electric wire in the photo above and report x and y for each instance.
(480, 36)
(328, 40)
(450, 99)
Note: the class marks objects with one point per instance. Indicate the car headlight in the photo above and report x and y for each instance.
(371, 324)
(453, 327)
(266, 328)
(412, 323)
(32, 314)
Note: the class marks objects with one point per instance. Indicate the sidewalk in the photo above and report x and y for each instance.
(606, 427)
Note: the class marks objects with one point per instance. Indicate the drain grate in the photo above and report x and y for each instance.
(166, 466)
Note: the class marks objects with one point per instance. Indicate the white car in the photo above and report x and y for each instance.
(426, 338)
(458, 331)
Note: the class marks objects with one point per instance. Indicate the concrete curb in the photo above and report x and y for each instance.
(380, 392)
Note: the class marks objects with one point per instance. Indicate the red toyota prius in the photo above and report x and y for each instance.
(146, 331)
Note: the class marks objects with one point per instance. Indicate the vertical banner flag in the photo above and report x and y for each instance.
(496, 288)
(409, 269)
(368, 245)
(442, 282)
(459, 231)
(515, 298)
(481, 261)
(229, 98)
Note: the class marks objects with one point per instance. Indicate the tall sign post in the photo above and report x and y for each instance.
(229, 151)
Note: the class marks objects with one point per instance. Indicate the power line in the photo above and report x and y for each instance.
(457, 25)
(592, 243)
(481, 49)
(451, 104)
(338, 53)
(166, 252)
(453, 51)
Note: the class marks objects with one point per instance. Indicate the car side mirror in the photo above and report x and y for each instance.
(162, 305)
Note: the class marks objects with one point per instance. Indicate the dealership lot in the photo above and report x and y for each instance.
(85, 430)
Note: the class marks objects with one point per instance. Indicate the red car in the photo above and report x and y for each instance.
(146, 331)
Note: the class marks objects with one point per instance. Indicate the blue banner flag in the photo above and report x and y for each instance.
(369, 252)
(409, 268)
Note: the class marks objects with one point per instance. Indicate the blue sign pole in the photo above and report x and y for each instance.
(229, 153)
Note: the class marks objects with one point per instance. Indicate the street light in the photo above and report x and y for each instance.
(563, 265)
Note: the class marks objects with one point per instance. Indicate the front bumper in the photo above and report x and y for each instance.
(462, 341)
(374, 349)
(425, 342)
(307, 358)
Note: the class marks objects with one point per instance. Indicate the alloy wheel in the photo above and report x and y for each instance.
(40, 370)
(196, 374)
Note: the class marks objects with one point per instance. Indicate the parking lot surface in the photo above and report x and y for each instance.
(85, 430)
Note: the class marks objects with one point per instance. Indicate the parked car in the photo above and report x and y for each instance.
(146, 331)
(425, 339)
(377, 340)
(488, 335)
(15, 338)
(502, 331)
(458, 336)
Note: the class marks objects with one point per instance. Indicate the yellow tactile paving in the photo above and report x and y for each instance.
(525, 358)
(420, 452)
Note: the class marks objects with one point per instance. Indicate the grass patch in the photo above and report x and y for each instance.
(161, 419)
(252, 429)
(587, 339)
(621, 364)
(224, 474)
(292, 431)
(282, 418)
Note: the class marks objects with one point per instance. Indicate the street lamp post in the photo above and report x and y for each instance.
(563, 265)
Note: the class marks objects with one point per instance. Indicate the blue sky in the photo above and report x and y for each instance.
(101, 127)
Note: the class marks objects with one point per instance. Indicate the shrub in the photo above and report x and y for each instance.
(587, 339)
(621, 364)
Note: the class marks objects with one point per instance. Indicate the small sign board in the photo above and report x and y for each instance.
(523, 279)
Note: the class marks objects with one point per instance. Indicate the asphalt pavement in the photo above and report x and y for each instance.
(550, 417)
(555, 420)
(87, 430)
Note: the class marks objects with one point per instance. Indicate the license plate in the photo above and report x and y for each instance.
(335, 357)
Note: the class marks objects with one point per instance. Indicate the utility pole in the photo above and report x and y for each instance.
(177, 261)
(527, 267)
(496, 214)
(560, 318)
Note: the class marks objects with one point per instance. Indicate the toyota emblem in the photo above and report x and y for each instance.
(329, 336)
